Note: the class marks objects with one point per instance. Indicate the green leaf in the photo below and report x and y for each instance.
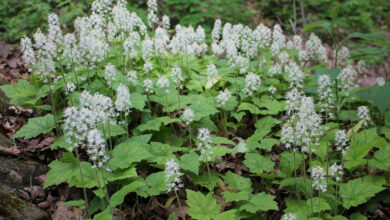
(104, 215)
(125, 154)
(260, 202)
(167, 120)
(273, 106)
(36, 126)
(381, 158)
(161, 153)
(357, 216)
(113, 131)
(156, 183)
(238, 182)
(297, 207)
(235, 196)
(258, 163)
(378, 95)
(121, 174)
(61, 142)
(190, 162)
(151, 125)
(357, 191)
(263, 127)
(221, 151)
(76, 203)
(319, 205)
(268, 143)
(288, 159)
(231, 214)
(206, 180)
(67, 170)
(138, 101)
(360, 145)
(244, 106)
(221, 140)
(203, 110)
(118, 197)
(19, 92)
(202, 207)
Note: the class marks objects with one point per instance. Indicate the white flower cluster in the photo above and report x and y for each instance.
(380, 81)
(327, 99)
(130, 45)
(110, 73)
(204, 145)
(223, 97)
(172, 173)
(295, 75)
(212, 72)
(343, 56)
(275, 69)
(77, 123)
(315, 49)
(278, 40)
(341, 141)
(70, 87)
(132, 77)
(364, 114)
(318, 176)
(166, 22)
(188, 116)
(362, 66)
(100, 105)
(252, 83)
(123, 103)
(148, 85)
(289, 216)
(272, 89)
(28, 51)
(177, 77)
(303, 128)
(336, 171)
(189, 41)
(163, 83)
(96, 149)
(347, 79)
(152, 10)
(161, 41)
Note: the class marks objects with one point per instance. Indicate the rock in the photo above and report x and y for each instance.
(4, 141)
(12, 207)
(16, 173)
(3, 98)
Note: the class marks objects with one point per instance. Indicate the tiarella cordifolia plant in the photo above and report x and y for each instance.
(268, 110)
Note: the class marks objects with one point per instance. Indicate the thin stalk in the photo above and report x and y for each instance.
(82, 182)
(178, 94)
(53, 108)
(107, 197)
(295, 175)
(109, 136)
(208, 170)
(99, 185)
(178, 201)
(189, 131)
(303, 14)
(311, 184)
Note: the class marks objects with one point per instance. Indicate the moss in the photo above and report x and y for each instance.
(9, 202)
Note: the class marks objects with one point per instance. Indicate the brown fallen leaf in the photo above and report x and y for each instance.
(66, 213)
(13, 150)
